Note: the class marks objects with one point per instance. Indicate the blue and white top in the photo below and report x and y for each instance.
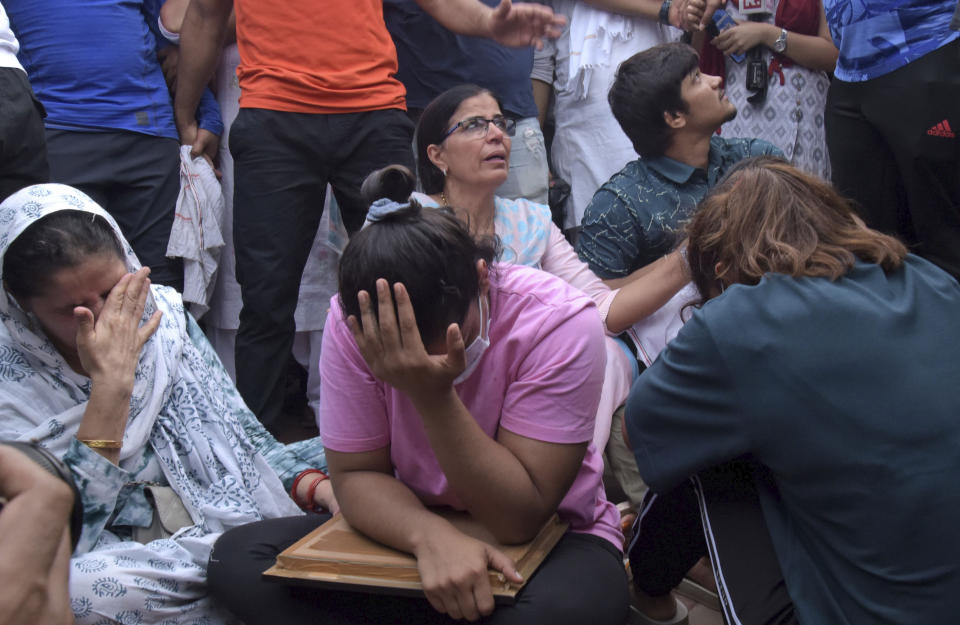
(523, 227)
(876, 37)
(187, 428)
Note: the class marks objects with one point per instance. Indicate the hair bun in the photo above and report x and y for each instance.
(393, 182)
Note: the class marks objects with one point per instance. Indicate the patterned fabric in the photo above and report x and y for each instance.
(588, 144)
(523, 228)
(791, 117)
(188, 429)
(636, 217)
(876, 37)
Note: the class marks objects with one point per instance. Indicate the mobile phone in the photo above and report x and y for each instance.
(723, 21)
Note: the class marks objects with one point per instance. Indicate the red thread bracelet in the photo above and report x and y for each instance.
(310, 491)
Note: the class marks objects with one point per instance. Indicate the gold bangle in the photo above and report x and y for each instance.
(101, 444)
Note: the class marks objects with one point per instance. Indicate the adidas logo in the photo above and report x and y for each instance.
(942, 130)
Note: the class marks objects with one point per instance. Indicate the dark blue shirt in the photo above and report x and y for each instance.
(876, 37)
(94, 65)
(636, 216)
(848, 391)
(432, 59)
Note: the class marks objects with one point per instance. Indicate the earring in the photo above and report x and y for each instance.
(443, 170)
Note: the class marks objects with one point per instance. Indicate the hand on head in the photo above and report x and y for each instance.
(109, 346)
(393, 349)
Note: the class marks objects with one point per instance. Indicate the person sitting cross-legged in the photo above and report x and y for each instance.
(108, 373)
(451, 380)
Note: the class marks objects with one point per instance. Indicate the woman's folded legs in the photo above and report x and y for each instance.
(581, 581)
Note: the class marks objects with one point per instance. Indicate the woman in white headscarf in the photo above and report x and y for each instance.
(106, 371)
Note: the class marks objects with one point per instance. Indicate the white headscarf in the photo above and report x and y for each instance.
(175, 407)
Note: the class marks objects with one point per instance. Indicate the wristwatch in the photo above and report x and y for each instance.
(780, 45)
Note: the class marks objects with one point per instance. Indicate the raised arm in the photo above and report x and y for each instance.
(517, 25)
(108, 350)
(679, 13)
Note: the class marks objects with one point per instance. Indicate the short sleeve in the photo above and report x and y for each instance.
(610, 240)
(544, 61)
(683, 414)
(353, 413)
(556, 392)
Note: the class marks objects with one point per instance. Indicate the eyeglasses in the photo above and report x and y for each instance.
(476, 127)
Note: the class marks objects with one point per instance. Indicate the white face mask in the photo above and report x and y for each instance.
(479, 345)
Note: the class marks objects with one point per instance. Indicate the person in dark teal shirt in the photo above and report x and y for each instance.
(826, 355)
(671, 112)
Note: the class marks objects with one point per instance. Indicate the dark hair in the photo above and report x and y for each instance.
(57, 241)
(767, 216)
(648, 85)
(393, 182)
(434, 123)
(429, 250)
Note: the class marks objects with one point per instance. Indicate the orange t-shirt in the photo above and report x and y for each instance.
(316, 56)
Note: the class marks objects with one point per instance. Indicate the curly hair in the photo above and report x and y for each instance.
(766, 216)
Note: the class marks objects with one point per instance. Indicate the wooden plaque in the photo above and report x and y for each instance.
(336, 556)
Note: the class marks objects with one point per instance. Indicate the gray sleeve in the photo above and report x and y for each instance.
(544, 62)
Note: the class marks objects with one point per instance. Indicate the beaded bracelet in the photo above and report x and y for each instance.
(310, 505)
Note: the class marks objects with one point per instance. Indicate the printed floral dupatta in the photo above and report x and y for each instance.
(177, 409)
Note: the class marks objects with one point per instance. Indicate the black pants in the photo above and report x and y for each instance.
(894, 146)
(581, 581)
(134, 177)
(282, 164)
(23, 152)
(718, 514)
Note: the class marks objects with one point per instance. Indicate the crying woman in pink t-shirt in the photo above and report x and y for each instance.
(449, 380)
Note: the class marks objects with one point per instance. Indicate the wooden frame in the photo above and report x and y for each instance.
(336, 556)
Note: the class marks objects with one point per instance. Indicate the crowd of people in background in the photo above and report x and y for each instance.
(698, 255)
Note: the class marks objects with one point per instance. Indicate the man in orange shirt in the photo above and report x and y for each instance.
(319, 104)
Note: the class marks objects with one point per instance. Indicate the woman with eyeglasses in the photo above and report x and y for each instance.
(463, 147)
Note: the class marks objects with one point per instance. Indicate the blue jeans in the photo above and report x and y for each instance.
(529, 174)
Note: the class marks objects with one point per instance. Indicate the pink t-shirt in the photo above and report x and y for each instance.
(540, 378)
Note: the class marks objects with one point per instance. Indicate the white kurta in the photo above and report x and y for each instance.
(589, 145)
